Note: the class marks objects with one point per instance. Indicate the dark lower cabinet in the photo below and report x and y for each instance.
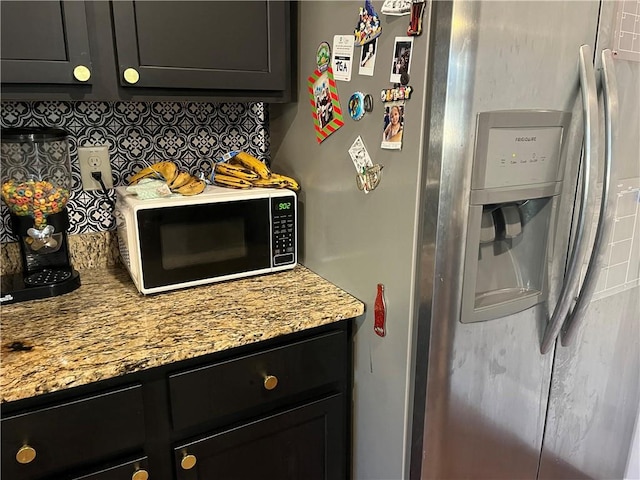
(48, 441)
(277, 409)
(304, 443)
(137, 469)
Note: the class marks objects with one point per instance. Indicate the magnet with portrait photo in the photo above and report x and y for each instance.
(393, 126)
(325, 104)
(368, 58)
(401, 62)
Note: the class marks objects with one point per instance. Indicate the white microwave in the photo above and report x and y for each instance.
(219, 234)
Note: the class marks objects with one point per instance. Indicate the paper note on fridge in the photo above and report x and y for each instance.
(342, 60)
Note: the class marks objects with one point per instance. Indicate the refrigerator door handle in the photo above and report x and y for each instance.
(605, 221)
(588, 180)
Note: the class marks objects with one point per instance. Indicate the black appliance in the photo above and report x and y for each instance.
(36, 184)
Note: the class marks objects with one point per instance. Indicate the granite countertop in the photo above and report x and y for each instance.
(107, 329)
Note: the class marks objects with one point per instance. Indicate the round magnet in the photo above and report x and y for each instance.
(323, 56)
(368, 103)
(356, 106)
(404, 78)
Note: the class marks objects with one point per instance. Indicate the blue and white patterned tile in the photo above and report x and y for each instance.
(138, 134)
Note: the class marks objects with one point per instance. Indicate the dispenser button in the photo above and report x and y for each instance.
(487, 227)
(512, 222)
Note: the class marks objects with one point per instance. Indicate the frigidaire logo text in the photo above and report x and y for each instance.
(525, 139)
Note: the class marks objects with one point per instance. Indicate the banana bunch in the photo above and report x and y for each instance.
(246, 171)
(178, 182)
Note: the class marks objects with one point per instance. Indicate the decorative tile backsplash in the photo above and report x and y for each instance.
(189, 133)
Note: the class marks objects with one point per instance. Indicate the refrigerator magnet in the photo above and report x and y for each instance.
(325, 104)
(396, 93)
(359, 155)
(369, 178)
(401, 58)
(356, 106)
(368, 58)
(380, 312)
(342, 57)
(323, 56)
(393, 126)
(396, 8)
(415, 24)
(368, 175)
(368, 103)
(368, 26)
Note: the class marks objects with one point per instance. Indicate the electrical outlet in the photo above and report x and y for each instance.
(95, 159)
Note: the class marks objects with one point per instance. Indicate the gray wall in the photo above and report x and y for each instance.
(355, 240)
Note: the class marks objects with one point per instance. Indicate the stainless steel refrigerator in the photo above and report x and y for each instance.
(512, 342)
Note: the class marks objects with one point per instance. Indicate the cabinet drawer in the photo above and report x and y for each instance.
(123, 471)
(307, 442)
(240, 384)
(73, 434)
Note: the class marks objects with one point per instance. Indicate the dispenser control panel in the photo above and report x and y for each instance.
(522, 155)
(518, 148)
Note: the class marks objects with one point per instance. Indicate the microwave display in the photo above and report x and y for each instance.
(188, 243)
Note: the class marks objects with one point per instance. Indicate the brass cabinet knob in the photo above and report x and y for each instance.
(140, 475)
(131, 76)
(270, 382)
(188, 462)
(26, 454)
(81, 73)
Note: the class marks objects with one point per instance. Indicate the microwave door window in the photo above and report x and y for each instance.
(197, 242)
(184, 246)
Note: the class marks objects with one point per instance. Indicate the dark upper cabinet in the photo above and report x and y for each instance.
(226, 45)
(45, 42)
(147, 51)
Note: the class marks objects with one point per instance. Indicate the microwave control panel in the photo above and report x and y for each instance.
(283, 236)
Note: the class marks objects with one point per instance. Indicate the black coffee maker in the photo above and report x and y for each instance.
(36, 184)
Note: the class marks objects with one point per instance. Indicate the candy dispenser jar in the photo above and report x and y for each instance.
(36, 184)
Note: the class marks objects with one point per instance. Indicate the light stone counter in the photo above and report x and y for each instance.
(106, 328)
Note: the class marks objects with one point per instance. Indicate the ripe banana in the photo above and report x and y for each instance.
(268, 183)
(252, 163)
(288, 181)
(193, 187)
(164, 170)
(181, 179)
(237, 171)
(277, 181)
(232, 182)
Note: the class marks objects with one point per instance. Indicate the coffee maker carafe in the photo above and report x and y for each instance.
(36, 184)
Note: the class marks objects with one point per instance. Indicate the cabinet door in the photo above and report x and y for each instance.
(202, 45)
(135, 469)
(72, 434)
(44, 42)
(305, 443)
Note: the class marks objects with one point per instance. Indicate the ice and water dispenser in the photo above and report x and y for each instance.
(515, 189)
